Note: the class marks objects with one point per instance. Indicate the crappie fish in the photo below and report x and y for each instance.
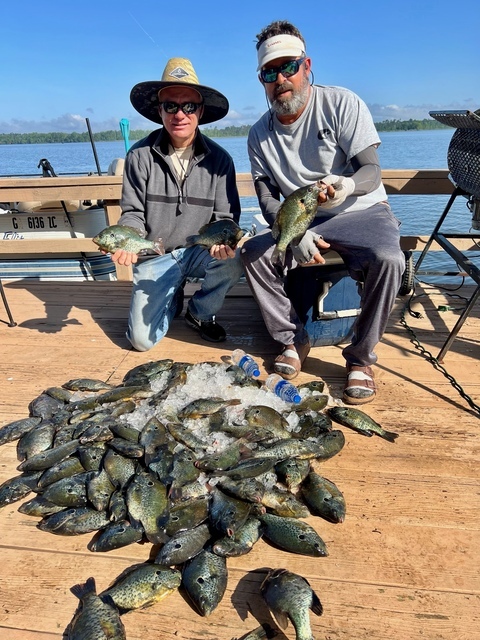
(293, 535)
(227, 514)
(263, 631)
(147, 504)
(127, 238)
(293, 218)
(15, 430)
(183, 546)
(289, 596)
(361, 422)
(141, 586)
(205, 407)
(323, 498)
(116, 535)
(95, 619)
(242, 541)
(17, 488)
(224, 231)
(204, 578)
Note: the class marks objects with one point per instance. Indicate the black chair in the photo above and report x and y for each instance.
(463, 159)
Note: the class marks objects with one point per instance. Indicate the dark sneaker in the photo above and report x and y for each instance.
(178, 301)
(208, 329)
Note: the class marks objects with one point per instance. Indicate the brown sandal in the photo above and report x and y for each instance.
(289, 363)
(360, 386)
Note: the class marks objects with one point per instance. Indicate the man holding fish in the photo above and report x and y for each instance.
(176, 183)
(316, 148)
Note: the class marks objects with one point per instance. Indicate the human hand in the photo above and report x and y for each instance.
(337, 190)
(125, 258)
(306, 250)
(221, 251)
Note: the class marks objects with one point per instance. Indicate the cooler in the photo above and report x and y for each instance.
(327, 300)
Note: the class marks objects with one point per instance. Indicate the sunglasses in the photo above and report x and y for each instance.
(287, 69)
(187, 107)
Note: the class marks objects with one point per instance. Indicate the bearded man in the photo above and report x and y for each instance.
(324, 135)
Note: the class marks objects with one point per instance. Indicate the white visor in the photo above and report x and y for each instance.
(282, 46)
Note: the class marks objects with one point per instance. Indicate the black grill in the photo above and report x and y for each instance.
(463, 156)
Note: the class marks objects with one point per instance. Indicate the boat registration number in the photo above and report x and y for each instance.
(39, 222)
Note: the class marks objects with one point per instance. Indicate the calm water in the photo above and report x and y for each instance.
(399, 150)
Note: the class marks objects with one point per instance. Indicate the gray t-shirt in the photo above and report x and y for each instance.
(335, 126)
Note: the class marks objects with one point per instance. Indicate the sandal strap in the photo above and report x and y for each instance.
(360, 378)
(290, 353)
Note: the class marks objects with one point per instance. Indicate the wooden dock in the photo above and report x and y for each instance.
(405, 564)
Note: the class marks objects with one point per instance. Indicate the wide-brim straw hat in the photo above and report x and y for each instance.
(178, 72)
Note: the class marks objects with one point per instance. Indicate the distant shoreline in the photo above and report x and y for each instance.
(215, 132)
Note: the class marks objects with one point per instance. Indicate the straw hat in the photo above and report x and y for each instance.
(178, 72)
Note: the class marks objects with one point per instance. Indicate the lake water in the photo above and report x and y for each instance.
(399, 150)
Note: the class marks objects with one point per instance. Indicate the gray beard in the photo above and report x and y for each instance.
(292, 105)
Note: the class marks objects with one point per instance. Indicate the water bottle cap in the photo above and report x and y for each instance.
(296, 399)
(256, 373)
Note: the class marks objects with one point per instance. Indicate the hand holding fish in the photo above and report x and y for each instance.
(335, 190)
(306, 250)
(221, 251)
(125, 258)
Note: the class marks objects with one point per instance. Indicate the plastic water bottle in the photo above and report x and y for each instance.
(283, 388)
(245, 362)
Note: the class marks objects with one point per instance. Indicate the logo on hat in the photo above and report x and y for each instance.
(178, 73)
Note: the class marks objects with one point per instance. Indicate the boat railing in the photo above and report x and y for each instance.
(108, 190)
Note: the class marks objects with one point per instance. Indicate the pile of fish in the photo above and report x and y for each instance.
(203, 478)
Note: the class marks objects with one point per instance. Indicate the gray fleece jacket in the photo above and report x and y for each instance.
(154, 202)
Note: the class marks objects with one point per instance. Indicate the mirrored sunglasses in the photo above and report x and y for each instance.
(187, 107)
(287, 69)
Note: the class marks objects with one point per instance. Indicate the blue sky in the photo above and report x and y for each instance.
(62, 62)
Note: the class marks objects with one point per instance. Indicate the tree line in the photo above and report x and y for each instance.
(212, 132)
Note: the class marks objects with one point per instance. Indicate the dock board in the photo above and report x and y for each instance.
(405, 564)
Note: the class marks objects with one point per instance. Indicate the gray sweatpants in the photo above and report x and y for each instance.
(369, 243)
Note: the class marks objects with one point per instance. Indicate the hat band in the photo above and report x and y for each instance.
(282, 46)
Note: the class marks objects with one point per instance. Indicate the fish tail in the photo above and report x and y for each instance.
(388, 435)
(278, 256)
(158, 246)
(81, 590)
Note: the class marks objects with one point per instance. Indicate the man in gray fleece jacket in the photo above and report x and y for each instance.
(175, 181)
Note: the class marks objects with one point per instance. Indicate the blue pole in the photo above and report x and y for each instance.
(125, 129)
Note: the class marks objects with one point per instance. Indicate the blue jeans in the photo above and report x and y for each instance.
(156, 280)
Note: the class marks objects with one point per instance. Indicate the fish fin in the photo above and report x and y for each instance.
(275, 229)
(234, 401)
(158, 247)
(316, 606)
(191, 240)
(391, 436)
(81, 590)
(278, 256)
(270, 632)
(281, 619)
(245, 452)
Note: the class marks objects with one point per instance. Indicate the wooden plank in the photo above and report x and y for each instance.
(398, 181)
(404, 564)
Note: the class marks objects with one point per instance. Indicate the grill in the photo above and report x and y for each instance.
(463, 159)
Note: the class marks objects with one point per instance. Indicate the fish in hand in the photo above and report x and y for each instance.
(294, 216)
(127, 238)
(224, 231)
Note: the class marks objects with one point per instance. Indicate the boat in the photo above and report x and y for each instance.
(404, 564)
